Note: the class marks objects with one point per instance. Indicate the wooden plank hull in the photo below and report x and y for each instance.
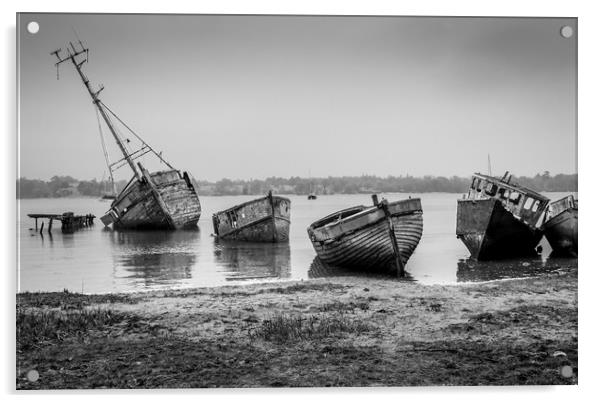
(169, 201)
(490, 232)
(561, 232)
(266, 219)
(362, 239)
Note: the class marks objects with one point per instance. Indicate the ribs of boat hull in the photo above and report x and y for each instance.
(261, 220)
(364, 240)
(490, 232)
(169, 202)
(561, 232)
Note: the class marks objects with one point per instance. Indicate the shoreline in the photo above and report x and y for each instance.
(342, 331)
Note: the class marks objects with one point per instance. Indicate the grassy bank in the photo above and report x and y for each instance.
(335, 332)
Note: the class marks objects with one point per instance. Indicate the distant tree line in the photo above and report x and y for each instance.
(67, 186)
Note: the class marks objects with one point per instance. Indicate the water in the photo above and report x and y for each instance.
(97, 260)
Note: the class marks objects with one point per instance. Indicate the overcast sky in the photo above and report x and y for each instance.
(258, 96)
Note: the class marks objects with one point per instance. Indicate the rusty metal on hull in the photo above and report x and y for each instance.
(561, 226)
(362, 237)
(161, 200)
(499, 219)
(266, 219)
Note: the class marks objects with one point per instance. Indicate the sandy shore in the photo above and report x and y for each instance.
(331, 332)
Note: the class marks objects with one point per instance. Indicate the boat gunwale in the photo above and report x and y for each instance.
(238, 206)
(365, 211)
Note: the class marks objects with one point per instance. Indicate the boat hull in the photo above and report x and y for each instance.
(491, 232)
(164, 200)
(364, 240)
(561, 232)
(266, 219)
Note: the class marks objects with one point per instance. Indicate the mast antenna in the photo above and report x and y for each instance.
(489, 164)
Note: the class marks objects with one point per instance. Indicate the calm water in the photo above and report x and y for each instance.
(97, 260)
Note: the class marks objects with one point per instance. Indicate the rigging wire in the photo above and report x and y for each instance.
(105, 151)
(134, 133)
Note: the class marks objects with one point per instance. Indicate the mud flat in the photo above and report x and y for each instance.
(331, 332)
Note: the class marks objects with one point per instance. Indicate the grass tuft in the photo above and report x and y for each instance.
(281, 328)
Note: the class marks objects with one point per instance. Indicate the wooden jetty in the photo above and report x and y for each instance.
(499, 219)
(161, 200)
(560, 226)
(380, 237)
(266, 219)
(69, 221)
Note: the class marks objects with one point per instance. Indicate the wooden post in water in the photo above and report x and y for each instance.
(50, 225)
(42, 228)
(36, 224)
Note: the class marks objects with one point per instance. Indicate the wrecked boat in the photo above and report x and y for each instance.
(379, 237)
(165, 199)
(560, 226)
(266, 219)
(499, 219)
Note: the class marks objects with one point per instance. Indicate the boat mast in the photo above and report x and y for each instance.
(73, 54)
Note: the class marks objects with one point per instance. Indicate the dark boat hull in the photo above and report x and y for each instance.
(490, 232)
(261, 220)
(164, 200)
(363, 240)
(561, 232)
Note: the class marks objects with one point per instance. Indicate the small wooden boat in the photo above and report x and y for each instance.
(311, 196)
(161, 200)
(498, 219)
(381, 237)
(261, 220)
(560, 226)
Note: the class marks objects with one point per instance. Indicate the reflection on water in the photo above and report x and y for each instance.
(96, 260)
(153, 258)
(470, 270)
(250, 261)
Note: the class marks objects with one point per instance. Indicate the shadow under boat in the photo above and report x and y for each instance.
(253, 260)
(266, 219)
(320, 269)
(470, 270)
(154, 257)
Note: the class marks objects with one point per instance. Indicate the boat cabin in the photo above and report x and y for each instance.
(524, 203)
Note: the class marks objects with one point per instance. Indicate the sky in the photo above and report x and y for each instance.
(245, 97)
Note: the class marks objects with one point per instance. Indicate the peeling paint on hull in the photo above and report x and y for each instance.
(266, 219)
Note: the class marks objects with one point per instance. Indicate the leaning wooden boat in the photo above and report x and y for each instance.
(560, 226)
(499, 219)
(160, 200)
(381, 237)
(266, 219)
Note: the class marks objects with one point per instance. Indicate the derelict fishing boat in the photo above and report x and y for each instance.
(159, 200)
(382, 236)
(266, 219)
(560, 226)
(498, 218)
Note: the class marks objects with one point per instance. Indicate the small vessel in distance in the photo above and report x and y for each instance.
(560, 226)
(379, 237)
(160, 200)
(312, 196)
(266, 219)
(499, 219)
